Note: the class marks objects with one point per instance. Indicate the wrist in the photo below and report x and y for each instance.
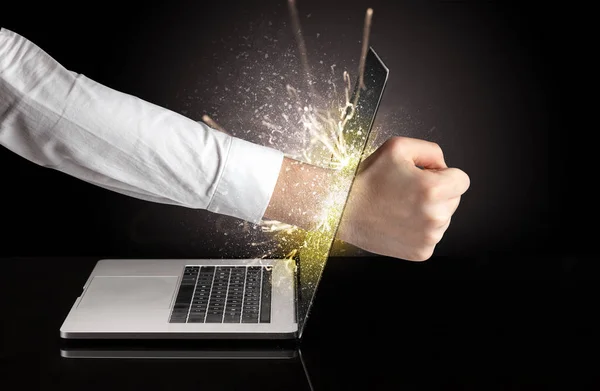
(300, 194)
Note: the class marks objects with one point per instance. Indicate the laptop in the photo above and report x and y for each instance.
(212, 299)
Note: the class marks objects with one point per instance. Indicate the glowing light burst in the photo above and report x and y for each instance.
(326, 142)
(314, 130)
(324, 132)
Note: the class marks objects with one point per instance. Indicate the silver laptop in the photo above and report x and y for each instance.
(209, 298)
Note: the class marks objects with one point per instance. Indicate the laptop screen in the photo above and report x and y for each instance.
(308, 251)
(312, 255)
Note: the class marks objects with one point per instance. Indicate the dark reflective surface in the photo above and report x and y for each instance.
(378, 323)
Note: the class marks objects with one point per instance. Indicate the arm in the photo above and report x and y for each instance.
(62, 120)
(65, 121)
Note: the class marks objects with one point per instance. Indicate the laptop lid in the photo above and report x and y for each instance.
(312, 256)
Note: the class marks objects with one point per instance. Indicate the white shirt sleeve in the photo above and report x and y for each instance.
(63, 120)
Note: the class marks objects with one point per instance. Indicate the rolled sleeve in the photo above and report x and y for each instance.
(247, 182)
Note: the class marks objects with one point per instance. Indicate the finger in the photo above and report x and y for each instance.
(444, 227)
(436, 215)
(423, 153)
(449, 182)
(440, 213)
(447, 209)
(453, 204)
(435, 235)
(441, 231)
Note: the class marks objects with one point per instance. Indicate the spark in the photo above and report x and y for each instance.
(324, 138)
(210, 122)
(326, 132)
(300, 41)
(365, 47)
(273, 225)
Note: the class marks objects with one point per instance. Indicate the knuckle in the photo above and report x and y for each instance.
(465, 179)
(437, 148)
(432, 237)
(396, 147)
(397, 142)
(462, 180)
(433, 222)
(421, 254)
(427, 189)
(430, 192)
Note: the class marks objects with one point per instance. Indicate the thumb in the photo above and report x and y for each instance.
(424, 154)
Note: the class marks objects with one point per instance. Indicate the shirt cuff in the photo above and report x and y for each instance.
(247, 181)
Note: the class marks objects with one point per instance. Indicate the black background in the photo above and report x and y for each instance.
(508, 300)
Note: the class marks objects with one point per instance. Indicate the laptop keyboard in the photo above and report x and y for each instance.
(223, 294)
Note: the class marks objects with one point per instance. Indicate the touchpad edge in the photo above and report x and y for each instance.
(132, 293)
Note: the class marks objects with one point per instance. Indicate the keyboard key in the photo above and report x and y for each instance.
(249, 319)
(214, 318)
(231, 318)
(177, 319)
(265, 305)
(196, 320)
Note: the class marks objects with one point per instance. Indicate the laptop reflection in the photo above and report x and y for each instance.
(205, 351)
(165, 349)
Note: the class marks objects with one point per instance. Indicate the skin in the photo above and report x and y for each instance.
(400, 204)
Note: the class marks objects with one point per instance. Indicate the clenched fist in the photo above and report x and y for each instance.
(400, 203)
(402, 200)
